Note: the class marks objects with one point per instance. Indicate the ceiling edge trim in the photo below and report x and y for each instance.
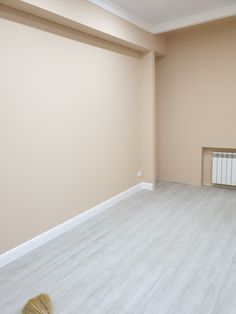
(124, 14)
(192, 20)
(196, 19)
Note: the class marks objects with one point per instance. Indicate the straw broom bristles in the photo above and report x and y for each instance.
(39, 305)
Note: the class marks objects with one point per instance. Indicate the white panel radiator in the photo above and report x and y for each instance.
(224, 168)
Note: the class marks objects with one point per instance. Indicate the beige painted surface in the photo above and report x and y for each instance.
(196, 99)
(147, 118)
(69, 129)
(87, 17)
(64, 31)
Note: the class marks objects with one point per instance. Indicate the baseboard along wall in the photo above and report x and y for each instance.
(51, 234)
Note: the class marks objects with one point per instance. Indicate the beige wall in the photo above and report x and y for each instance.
(196, 98)
(69, 129)
(147, 118)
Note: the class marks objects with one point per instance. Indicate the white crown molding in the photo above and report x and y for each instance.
(191, 20)
(124, 14)
(51, 234)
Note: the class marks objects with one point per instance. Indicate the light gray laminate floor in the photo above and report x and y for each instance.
(168, 251)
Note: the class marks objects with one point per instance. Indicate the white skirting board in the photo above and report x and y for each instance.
(45, 237)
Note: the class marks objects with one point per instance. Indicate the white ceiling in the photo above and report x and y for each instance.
(159, 16)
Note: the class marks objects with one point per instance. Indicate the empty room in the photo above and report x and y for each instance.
(117, 157)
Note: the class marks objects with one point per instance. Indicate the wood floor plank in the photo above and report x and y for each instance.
(170, 251)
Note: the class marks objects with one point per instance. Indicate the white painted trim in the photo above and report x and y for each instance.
(200, 18)
(45, 237)
(147, 186)
(124, 14)
(191, 20)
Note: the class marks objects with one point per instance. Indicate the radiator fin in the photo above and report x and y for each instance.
(224, 168)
